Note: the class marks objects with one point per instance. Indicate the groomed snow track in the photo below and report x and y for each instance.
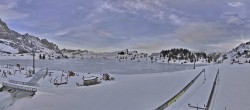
(212, 92)
(179, 94)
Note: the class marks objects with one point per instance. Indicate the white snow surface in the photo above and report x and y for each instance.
(231, 91)
(141, 91)
(7, 48)
(127, 92)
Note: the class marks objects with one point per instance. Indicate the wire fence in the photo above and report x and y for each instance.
(212, 92)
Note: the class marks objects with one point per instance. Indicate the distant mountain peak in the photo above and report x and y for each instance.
(3, 26)
(14, 42)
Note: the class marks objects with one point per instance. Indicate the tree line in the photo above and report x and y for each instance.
(185, 54)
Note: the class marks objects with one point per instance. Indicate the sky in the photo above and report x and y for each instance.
(143, 25)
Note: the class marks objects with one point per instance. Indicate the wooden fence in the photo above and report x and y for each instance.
(25, 88)
(22, 83)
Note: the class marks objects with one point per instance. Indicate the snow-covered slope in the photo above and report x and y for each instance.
(14, 42)
(239, 54)
(5, 48)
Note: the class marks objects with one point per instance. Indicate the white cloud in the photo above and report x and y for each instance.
(149, 9)
(79, 8)
(105, 6)
(61, 33)
(204, 35)
(235, 4)
(104, 34)
(160, 15)
(138, 24)
(9, 13)
(176, 19)
(198, 32)
(233, 19)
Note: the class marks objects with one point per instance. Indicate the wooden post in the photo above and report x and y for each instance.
(194, 63)
(33, 61)
(61, 77)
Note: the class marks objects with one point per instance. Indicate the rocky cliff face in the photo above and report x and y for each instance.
(14, 42)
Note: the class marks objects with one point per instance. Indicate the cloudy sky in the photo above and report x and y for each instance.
(144, 25)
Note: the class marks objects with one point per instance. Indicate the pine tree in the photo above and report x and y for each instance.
(239, 54)
(169, 58)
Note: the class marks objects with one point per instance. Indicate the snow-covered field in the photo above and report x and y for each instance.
(231, 92)
(100, 65)
(132, 89)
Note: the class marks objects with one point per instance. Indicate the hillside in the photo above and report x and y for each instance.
(14, 42)
(240, 54)
(180, 55)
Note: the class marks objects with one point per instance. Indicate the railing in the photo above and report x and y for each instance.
(179, 94)
(22, 83)
(30, 89)
(212, 92)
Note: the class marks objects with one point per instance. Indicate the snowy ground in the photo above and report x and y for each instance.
(134, 90)
(127, 92)
(231, 91)
(100, 65)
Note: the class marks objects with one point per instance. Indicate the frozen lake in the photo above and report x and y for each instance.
(99, 65)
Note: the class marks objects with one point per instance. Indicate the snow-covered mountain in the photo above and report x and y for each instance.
(239, 54)
(14, 42)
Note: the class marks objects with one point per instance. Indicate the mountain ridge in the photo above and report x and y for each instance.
(14, 42)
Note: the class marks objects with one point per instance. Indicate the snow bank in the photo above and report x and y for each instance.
(7, 48)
